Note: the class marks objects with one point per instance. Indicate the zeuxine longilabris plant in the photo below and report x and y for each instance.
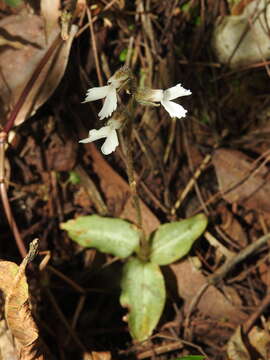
(143, 284)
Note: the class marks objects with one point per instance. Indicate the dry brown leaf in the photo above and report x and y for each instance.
(212, 303)
(50, 10)
(117, 191)
(236, 349)
(260, 340)
(8, 350)
(17, 311)
(240, 182)
(17, 65)
(101, 355)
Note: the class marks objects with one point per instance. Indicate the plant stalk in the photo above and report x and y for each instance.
(143, 252)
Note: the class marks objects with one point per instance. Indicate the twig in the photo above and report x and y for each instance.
(94, 46)
(190, 184)
(253, 317)
(64, 321)
(5, 201)
(3, 137)
(223, 271)
(231, 263)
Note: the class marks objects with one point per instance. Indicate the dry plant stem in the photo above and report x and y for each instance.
(94, 46)
(257, 313)
(64, 321)
(3, 137)
(5, 201)
(223, 271)
(182, 195)
(231, 263)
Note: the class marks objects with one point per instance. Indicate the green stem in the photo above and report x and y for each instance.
(143, 252)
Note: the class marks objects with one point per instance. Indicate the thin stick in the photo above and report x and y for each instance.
(94, 46)
(5, 201)
(223, 271)
(191, 183)
(3, 137)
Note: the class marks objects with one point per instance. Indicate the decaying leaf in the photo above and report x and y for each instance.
(260, 340)
(50, 10)
(17, 309)
(241, 182)
(18, 65)
(213, 303)
(236, 349)
(143, 294)
(117, 192)
(8, 349)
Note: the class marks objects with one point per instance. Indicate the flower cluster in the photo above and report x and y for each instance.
(123, 79)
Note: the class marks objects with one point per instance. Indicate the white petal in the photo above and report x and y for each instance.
(97, 134)
(175, 110)
(110, 143)
(175, 92)
(110, 104)
(97, 93)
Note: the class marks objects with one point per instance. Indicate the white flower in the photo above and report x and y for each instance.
(109, 92)
(108, 132)
(165, 97)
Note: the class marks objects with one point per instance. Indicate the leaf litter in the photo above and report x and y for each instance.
(228, 117)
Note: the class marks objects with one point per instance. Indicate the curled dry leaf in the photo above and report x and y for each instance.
(17, 311)
(17, 65)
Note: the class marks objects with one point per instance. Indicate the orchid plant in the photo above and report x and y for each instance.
(143, 254)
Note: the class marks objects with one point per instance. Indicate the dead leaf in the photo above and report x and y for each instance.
(213, 303)
(101, 355)
(17, 309)
(240, 182)
(260, 340)
(236, 349)
(18, 65)
(50, 10)
(117, 191)
(7, 347)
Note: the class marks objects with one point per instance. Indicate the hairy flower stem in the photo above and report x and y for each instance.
(143, 252)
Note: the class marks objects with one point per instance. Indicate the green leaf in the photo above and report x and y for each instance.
(113, 236)
(143, 293)
(123, 55)
(74, 178)
(174, 240)
(13, 3)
